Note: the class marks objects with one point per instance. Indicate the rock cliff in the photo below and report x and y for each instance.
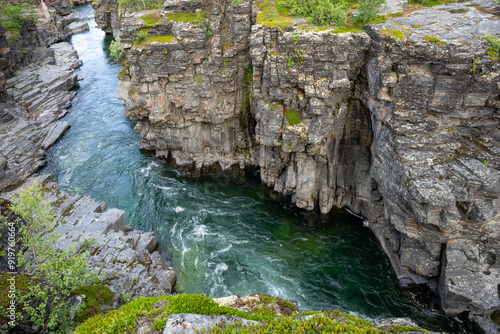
(128, 260)
(398, 123)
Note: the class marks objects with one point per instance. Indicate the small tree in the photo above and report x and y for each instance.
(55, 273)
(115, 49)
(369, 9)
(15, 15)
(327, 13)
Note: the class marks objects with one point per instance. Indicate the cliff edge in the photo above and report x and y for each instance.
(398, 122)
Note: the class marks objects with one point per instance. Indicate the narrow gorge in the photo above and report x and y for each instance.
(398, 123)
(257, 132)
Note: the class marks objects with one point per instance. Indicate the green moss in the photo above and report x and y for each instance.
(394, 34)
(157, 310)
(227, 45)
(348, 29)
(494, 50)
(151, 19)
(22, 284)
(455, 11)
(138, 5)
(196, 18)
(330, 322)
(293, 117)
(150, 39)
(269, 16)
(434, 39)
(131, 91)
(96, 295)
(14, 37)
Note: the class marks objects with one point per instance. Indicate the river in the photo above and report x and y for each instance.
(223, 236)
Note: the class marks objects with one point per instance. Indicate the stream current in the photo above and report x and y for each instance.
(222, 236)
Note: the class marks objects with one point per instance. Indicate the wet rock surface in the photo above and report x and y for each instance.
(399, 124)
(127, 259)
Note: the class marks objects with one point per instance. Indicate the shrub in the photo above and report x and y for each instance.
(55, 273)
(138, 5)
(96, 295)
(142, 36)
(368, 10)
(494, 51)
(322, 12)
(327, 13)
(115, 49)
(16, 15)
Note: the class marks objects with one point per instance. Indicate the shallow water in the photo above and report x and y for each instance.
(223, 237)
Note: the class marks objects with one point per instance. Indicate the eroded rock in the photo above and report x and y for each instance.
(128, 260)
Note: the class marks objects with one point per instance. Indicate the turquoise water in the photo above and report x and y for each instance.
(223, 236)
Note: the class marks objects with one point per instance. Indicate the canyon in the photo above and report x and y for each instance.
(399, 123)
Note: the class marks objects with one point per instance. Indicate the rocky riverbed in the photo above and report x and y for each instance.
(398, 123)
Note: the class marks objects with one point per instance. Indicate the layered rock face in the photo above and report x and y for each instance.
(435, 117)
(399, 124)
(35, 78)
(187, 90)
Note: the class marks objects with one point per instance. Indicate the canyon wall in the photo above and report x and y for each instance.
(398, 123)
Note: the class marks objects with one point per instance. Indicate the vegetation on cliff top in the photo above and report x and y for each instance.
(156, 310)
(151, 19)
(187, 17)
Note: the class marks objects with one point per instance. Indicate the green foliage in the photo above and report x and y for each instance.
(55, 273)
(87, 244)
(115, 49)
(138, 5)
(289, 61)
(434, 39)
(142, 36)
(22, 287)
(187, 17)
(158, 309)
(327, 14)
(368, 10)
(475, 62)
(494, 51)
(428, 3)
(126, 298)
(322, 12)
(293, 117)
(270, 16)
(394, 34)
(96, 295)
(15, 15)
(209, 33)
(151, 19)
